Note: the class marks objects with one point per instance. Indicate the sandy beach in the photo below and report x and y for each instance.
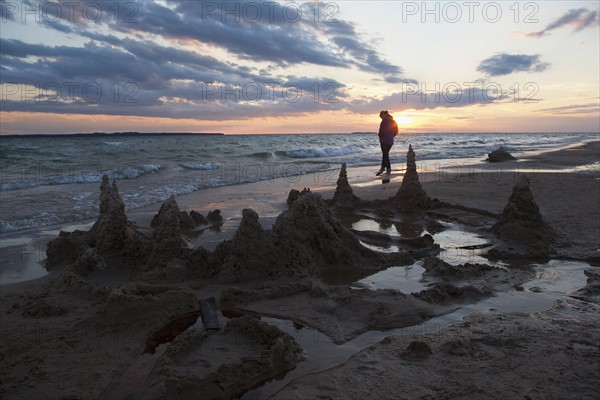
(453, 280)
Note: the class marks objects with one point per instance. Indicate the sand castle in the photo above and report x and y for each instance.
(411, 196)
(521, 229)
(343, 196)
(167, 240)
(113, 236)
(305, 241)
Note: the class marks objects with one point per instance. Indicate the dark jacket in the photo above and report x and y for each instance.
(387, 130)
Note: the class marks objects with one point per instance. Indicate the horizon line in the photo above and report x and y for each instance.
(135, 133)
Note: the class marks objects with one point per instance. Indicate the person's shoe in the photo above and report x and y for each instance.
(379, 173)
(388, 172)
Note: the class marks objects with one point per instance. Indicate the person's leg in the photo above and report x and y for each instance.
(383, 159)
(386, 157)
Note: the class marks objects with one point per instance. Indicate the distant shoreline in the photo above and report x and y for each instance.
(113, 134)
(141, 134)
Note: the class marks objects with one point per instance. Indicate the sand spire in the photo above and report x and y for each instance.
(344, 195)
(521, 229)
(411, 195)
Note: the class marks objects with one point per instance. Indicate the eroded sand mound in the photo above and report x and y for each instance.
(141, 305)
(195, 364)
(482, 277)
(234, 296)
(445, 293)
(591, 291)
(340, 312)
(500, 155)
(521, 229)
(436, 267)
(66, 248)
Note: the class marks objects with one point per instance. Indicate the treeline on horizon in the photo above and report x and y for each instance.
(122, 134)
(113, 134)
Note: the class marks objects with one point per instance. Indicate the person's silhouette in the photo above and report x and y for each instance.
(388, 129)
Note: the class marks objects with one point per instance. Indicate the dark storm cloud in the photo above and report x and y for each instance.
(579, 19)
(504, 64)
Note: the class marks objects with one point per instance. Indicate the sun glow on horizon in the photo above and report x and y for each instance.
(404, 121)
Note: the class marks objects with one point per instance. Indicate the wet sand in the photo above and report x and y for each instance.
(334, 333)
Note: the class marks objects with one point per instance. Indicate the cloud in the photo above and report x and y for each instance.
(504, 64)
(579, 19)
(175, 83)
(161, 81)
(161, 52)
(282, 33)
(574, 109)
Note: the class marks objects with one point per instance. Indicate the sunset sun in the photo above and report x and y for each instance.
(402, 120)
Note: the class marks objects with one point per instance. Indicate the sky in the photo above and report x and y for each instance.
(298, 67)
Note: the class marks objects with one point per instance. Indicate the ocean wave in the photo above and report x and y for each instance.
(113, 143)
(70, 177)
(593, 168)
(43, 219)
(323, 152)
(201, 166)
(151, 168)
(264, 155)
(472, 143)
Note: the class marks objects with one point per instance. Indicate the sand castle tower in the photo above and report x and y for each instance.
(343, 196)
(411, 195)
(521, 229)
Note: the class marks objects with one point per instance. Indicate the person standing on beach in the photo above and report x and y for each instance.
(388, 129)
